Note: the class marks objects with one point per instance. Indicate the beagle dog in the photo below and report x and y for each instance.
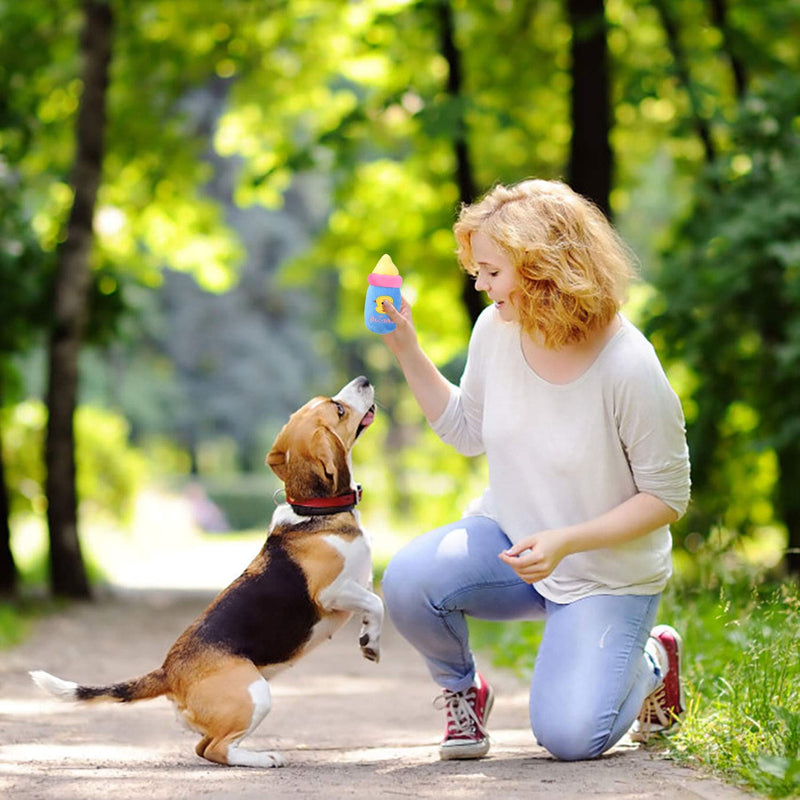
(313, 572)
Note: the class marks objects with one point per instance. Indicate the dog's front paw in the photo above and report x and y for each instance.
(370, 648)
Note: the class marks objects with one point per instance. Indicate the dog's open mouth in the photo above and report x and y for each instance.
(366, 421)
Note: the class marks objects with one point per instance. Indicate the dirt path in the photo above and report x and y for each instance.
(348, 728)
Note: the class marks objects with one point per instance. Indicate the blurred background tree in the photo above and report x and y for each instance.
(731, 314)
(23, 267)
(260, 157)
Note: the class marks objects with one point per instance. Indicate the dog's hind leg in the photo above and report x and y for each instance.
(228, 706)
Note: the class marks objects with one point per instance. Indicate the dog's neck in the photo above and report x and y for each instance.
(323, 506)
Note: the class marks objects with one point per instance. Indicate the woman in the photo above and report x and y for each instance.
(588, 466)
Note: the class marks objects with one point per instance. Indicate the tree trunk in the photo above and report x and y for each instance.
(465, 179)
(591, 160)
(719, 16)
(70, 304)
(681, 65)
(8, 569)
(789, 503)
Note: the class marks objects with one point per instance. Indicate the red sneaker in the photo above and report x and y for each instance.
(466, 735)
(663, 707)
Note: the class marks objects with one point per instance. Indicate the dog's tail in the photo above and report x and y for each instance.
(153, 684)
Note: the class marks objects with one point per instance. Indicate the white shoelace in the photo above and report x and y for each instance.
(461, 717)
(654, 713)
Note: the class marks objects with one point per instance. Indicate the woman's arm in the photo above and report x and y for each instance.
(428, 385)
(454, 413)
(536, 556)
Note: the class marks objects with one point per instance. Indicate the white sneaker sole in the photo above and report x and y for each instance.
(456, 750)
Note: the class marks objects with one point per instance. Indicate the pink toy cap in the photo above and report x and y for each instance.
(387, 281)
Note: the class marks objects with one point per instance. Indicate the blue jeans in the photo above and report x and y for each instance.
(591, 673)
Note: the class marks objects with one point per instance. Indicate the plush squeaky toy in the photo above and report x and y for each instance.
(384, 285)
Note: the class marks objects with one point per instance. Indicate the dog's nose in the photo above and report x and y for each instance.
(362, 382)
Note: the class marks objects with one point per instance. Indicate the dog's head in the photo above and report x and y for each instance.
(311, 454)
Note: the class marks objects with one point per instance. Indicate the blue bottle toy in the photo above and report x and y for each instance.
(384, 284)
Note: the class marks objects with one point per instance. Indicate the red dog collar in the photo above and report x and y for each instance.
(322, 506)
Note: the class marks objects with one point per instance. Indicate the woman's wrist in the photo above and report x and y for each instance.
(408, 354)
(568, 541)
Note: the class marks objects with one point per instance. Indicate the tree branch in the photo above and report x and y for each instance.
(467, 191)
(591, 160)
(701, 125)
(719, 16)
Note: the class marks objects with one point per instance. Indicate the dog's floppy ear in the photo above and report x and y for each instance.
(330, 459)
(278, 458)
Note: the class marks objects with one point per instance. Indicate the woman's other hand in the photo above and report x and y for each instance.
(536, 556)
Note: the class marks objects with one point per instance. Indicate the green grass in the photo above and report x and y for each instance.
(741, 633)
(18, 615)
(32, 601)
(14, 625)
(742, 672)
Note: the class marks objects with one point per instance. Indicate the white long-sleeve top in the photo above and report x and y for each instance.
(561, 454)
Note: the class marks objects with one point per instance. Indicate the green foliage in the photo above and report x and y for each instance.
(349, 83)
(513, 645)
(15, 622)
(360, 93)
(151, 209)
(730, 303)
(23, 271)
(246, 501)
(13, 628)
(109, 470)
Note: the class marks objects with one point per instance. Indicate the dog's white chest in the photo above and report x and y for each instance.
(357, 564)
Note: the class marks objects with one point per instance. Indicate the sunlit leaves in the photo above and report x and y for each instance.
(207, 252)
(23, 269)
(732, 285)
(162, 50)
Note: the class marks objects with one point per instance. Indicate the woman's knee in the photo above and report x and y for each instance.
(570, 736)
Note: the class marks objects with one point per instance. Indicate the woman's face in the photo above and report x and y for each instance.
(496, 275)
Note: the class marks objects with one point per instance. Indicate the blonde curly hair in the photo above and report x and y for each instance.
(573, 268)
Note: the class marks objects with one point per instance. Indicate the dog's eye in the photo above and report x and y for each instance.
(339, 408)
